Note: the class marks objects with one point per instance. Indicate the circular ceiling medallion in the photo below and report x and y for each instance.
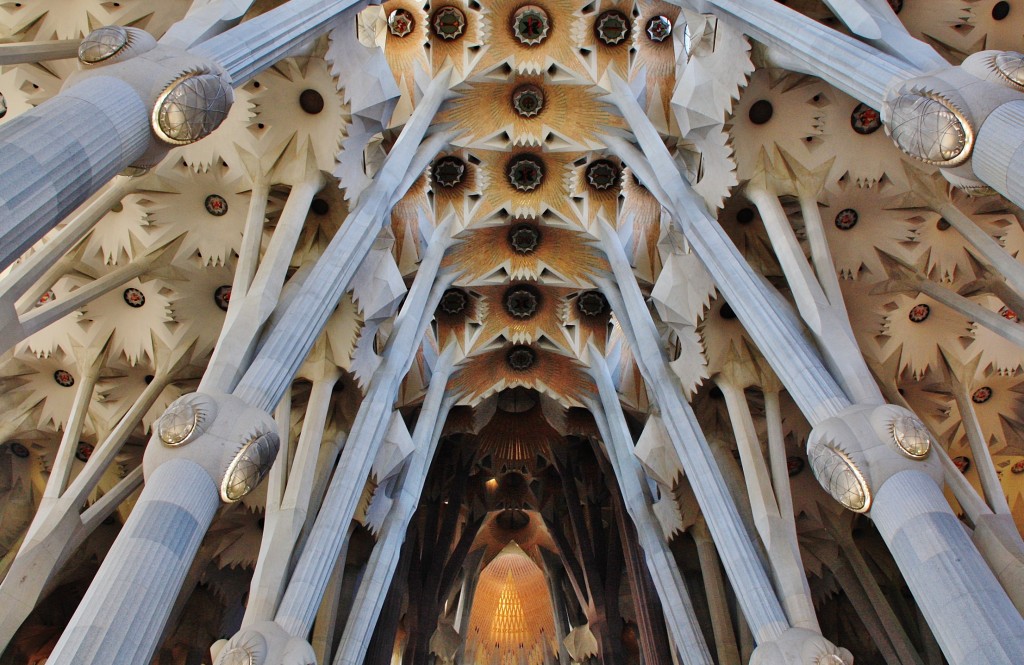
(449, 171)
(319, 207)
(47, 296)
(612, 27)
(134, 298)
(794, 465)
(525, 173)
(311, 101)
(528, 101)
(919, 313)
(453, 301)
(18, 450)
(222, 296)
(521, 302)
(521, 358)
(603, 174)
(216, 205)
(962, 462)
(1000, 10)
(761, 112)
(846, 219)
(1018, 467)
(83, 452)
(530, 25)
(865, 120)
(64, 378)
(401, 22)
(745, 215)
(981, 395)
(659, 28)
(592, 303)
(449, 23)
(524, 238)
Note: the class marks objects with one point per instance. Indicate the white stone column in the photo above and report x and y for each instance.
(328, 535)
(53, 157)
(675, 601)
(380, 569)
(714, 589)
(122, 615)
(57, 49)
(289, 343)
(742, 562)
(999, 151)
(961, 599)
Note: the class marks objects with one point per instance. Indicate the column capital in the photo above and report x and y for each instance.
(853, 453)
(234, 442)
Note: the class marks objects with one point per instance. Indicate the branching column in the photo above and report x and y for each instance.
(671, 588)
(380, 569)
(855, 450)
(53, 157)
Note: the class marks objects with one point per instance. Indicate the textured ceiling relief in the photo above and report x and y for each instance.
(530, 174)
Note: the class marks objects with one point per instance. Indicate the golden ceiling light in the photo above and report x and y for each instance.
(566, 253)
(566, 116)
(512, 619)
(513, 439)
(529, 36)
(552, 373)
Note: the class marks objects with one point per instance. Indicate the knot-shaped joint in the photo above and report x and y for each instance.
(853, 453)
(233, 441)
(263, 643)
(799, 646)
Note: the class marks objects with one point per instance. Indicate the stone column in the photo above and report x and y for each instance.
(298, 606)
(855, 451)
(714, 589)
(380, 569)
(57, 49)
(287, 345)
(53, 157)
(959, 596)
(122, 615)
(675, 601)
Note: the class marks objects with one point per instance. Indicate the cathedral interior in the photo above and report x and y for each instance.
(512, 332)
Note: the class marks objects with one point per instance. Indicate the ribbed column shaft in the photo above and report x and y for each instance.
(998, 157)
(53, 157)
(13, 54)
(675, 600)
(327, 537)
(961, 599)
(249, 48)
(858, 69)
(122, 616)
(757, 597)
(380, 569)
(288, 344)
(767, 318)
